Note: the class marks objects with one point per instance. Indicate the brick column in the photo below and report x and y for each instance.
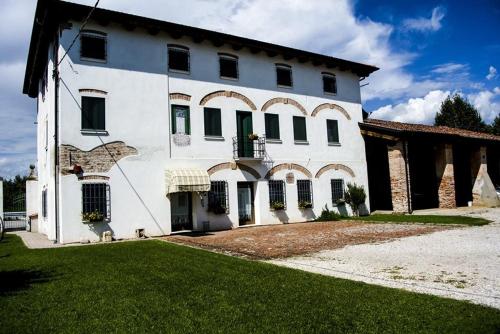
(483, 191)
(445, 176)
(397, 172)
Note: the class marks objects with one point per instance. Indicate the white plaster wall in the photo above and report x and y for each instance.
(1, 198)
(136, 79)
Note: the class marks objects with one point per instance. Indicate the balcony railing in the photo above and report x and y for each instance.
(246, 148)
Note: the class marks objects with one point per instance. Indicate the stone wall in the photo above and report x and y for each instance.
(397, 172)
(445, 176)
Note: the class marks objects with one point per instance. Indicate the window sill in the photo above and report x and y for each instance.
(334, 144)
(179, 71)
(329, 94)
(94, 60)
(94, 132)
(301, 142)
(274, 141)
(229, 78)
(286, 87)
(214, 138)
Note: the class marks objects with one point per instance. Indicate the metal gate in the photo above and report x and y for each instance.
(14, 216)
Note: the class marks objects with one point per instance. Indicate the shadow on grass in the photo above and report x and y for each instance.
(14, 281)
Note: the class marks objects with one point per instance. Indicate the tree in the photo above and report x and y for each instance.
(495, 126)
(457, 112)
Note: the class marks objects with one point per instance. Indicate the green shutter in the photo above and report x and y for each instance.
(187, 124)
(299, 128)
(93, 113)
(188, 121)
(174, 127)
(212, 122)
(272, 126)
(332, 131)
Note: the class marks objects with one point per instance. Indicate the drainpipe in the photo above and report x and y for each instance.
(56, 134)
(407, 175)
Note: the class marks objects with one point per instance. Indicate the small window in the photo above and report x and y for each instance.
(299, 128)
(180, 120)
(212, 122)
(332, 131)
(44, 203)
(218, 199)
(304, 193)
(272, 126)
(284, 75)
(93, 46)
(93, 113)
(228, 66)
(329, 83)
(178, 58)
(337, 190)
(277, 196)
(96, 198)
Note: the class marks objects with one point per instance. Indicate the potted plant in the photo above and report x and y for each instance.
(277, 205)
(253, 136)
(92, 217)
(305, 205)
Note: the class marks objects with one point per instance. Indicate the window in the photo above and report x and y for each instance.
(284, 75)
(96, 198)
(277, 195)
(272, 126)
(212, 122)
(93, 45)
(332, 131)
(337, 190)
(218, 200)
(304, 193)
(44, 203)
(178, 58)
(93, 113)
(299, 128)
(228, 66)
(180, 120)
(329, 83)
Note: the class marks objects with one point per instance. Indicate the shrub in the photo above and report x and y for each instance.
(277, 206)
(355, 196)
(92, 217)
(327, 215)
(305, 205)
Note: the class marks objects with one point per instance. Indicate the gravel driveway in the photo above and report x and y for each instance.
(459, 263)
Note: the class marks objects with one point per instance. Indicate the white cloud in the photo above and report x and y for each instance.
(449, 68)
(487, 103)
(415, 110)
(492, 73)
(426, 24)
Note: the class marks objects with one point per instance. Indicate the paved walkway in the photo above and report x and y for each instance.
(460, 263)
(36, 240)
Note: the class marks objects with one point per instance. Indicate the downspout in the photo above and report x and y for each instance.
(56, 134)
(407, 176)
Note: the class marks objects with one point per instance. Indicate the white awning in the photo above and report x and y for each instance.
(186, 180)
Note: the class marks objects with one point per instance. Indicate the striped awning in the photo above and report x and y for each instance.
(186, 180)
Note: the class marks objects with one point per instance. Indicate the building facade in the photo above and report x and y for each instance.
(153, 127)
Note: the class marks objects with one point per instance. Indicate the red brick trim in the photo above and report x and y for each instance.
(180, 96)
(93, 177)
(330, 106)
(288, 166)
(227, 93)
(284, 100)
(233, 166)
(335, 167)
(91, 90)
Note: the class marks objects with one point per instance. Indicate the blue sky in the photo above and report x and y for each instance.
(425, 49)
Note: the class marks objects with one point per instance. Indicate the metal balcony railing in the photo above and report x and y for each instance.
(246, 148)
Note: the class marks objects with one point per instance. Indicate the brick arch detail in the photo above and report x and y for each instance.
(330, 106)
(328, 167)
(180, 96)
(284, 100)
(233, 166)
(228, 93)
(288, 166)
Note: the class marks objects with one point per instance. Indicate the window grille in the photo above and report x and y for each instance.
(337, 190)
(304, 191)
(96, 197)
(277, 193)
(44, 203)
(218, 199)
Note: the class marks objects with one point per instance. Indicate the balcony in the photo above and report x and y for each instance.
(245, 148)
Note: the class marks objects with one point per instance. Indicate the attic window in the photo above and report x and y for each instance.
(228, 66)
(178, 58)
(329, 83)
(284, 75)
(93, 46)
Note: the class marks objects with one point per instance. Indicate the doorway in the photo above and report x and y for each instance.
(245, 203)
(243, 129)
(181, 212)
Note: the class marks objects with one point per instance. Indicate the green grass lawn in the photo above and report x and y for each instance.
(153, 286)
(426, 219)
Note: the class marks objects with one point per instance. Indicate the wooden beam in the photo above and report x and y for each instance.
(378, 135)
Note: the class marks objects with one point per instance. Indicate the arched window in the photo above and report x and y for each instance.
(329, 83)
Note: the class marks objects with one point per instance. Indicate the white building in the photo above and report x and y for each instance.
(151, 126)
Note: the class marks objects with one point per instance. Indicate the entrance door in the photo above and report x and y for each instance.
(245, 203)
(180, 207)
(244, 128)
